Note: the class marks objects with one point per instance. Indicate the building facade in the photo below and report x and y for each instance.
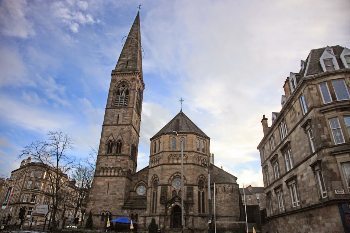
(253, 196)
(305, 153)
(156, 191)
(253, 200)
(30, 187)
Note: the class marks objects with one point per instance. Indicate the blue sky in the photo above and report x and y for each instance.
(227, 59)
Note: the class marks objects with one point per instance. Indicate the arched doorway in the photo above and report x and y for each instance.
(176, 217)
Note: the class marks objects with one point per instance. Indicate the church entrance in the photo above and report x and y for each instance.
(176, 217)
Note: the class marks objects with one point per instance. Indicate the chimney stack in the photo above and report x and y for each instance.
(286, 88)
(265, 125)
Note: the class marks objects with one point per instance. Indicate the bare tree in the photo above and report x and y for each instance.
(83, 175)
(52, 152)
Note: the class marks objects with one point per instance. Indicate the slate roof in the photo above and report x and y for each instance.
(130, 59)
(313, 60)
(181, 124)
(219, 176)
(251, 190)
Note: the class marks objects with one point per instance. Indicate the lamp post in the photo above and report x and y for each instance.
(182, 183)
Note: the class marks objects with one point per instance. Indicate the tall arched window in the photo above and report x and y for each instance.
(119, 147)
(201, 197)
(202, 145)
(183, 143)
(122, 95)
(154, 195)
(173, 143)
(155, 147)
(110, 145)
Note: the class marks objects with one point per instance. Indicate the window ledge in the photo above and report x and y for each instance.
(341, 105)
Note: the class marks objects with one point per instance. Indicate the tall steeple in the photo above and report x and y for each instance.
(130, 59)
(117, 153)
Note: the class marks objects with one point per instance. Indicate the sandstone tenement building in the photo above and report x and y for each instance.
(30, 187)
(305, 153)
(118, 189)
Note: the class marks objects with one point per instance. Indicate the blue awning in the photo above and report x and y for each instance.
(121, 220)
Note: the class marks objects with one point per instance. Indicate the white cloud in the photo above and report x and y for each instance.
(247, 177)
(32, 98)
(13, 70)
(13, 19)
(150, 124)
(73, 14)
(233, 57)
(52, 90)
(32, 118)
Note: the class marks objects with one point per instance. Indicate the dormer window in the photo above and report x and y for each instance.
(345, 57)
(328, 60)
(347, 60)
(329, 64)
(292, 81)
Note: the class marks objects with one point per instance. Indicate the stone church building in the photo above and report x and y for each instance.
(119, 190)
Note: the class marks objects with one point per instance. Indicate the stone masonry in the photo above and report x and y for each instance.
(305, 153)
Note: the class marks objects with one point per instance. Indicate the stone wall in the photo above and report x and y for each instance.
(321, 220)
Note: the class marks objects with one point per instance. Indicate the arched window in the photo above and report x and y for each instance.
(198, 145)
(158, 145)
(110, 145)
(155, 147)
(174, 193)
(201, 197)
(202, 145)
(183, 143)
(122, 95)
(173, 143)
(154, 196)
(119, 147)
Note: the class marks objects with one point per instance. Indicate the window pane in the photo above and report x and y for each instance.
(325, 93)
(321, 183)
(340, 89)
(303, 104)
(311, 139)
(347, 123)
(346, 172)
(347, 59)
(329, 64)
(336, 130)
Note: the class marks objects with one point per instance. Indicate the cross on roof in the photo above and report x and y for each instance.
(181, 100)
(139, 6)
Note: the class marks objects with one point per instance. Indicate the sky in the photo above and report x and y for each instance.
(228, 59)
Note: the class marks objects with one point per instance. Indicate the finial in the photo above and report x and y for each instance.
(181, 100)
(139, 7)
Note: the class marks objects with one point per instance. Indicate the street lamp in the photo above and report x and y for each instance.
(182, 182)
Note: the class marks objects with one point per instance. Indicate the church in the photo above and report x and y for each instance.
(205, 196)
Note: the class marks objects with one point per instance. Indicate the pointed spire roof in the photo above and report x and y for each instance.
(181, 124)
(130, 59)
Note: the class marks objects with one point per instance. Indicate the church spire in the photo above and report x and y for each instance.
(130, 59)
